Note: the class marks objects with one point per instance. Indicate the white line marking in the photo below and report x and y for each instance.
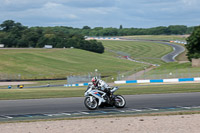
(53, 114)
(153, 109)
(85, 113)
(186, 107)
(121, 111)
(7, 116)
(76, 113)
(136, 110)
(65, 113)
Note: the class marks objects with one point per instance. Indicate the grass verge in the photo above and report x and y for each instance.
(62, 92)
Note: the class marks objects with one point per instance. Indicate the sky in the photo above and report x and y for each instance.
(101, 13)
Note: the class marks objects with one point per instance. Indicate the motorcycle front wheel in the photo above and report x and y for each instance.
(91, 105)
(120, 102)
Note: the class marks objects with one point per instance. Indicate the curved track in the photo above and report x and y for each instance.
(61, 105)
(178, 49)
(170, 57)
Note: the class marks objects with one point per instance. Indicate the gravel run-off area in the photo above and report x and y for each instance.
(140, 124)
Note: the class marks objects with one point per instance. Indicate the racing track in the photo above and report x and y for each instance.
(63, 105)
(134, 102)
(170, 57)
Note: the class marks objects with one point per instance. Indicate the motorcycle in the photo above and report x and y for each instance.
(95, 98)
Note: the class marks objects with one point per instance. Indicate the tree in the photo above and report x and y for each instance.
(98, 28)
(86, 27)
(10, 25)
(7, 25)
(120, 27)
(193, 44)
(177, 29)
(10, 40)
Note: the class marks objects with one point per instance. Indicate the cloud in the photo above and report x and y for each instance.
(48, 13)
(156, 12)
(89, 3)
(106, 13)
(20, 5)
(190, 2)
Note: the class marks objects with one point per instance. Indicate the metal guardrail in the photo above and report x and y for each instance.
(175, 80)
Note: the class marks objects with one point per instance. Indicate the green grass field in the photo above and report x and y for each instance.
(173, 70)
(61, 92)
(59, 63)
(159, 37)
(143, 51)
(55, 63)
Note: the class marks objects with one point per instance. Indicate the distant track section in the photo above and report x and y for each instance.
(178, 49)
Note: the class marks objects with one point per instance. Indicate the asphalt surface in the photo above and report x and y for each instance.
(59, 105)
(178, 49)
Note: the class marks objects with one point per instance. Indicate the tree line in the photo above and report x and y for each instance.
(14, 34)
(100, 31)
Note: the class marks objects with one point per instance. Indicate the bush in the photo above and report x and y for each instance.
(193, 44)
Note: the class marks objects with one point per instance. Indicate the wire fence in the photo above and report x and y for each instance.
(141, 73)
(74, 79)
(13, 77)
(135, 74)
(170, 75)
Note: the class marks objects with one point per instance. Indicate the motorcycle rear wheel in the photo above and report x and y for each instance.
(120, 102)
(91, 105)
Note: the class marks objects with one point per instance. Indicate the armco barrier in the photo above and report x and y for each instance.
(72, 85)
(175, 80)
(158, 80)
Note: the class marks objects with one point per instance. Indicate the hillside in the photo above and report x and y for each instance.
(59, 63)
(150, 52)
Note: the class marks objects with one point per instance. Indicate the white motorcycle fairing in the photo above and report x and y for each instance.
(97, 94)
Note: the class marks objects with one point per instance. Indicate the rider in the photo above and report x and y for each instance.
(100, 84)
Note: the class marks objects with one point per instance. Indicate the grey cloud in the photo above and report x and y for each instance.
(20, 5)
(106, 13)
(89, 3)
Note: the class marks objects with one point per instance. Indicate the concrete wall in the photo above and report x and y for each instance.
(196, 62)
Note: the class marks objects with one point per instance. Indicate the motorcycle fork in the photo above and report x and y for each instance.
(91, 99)
(100, 99)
